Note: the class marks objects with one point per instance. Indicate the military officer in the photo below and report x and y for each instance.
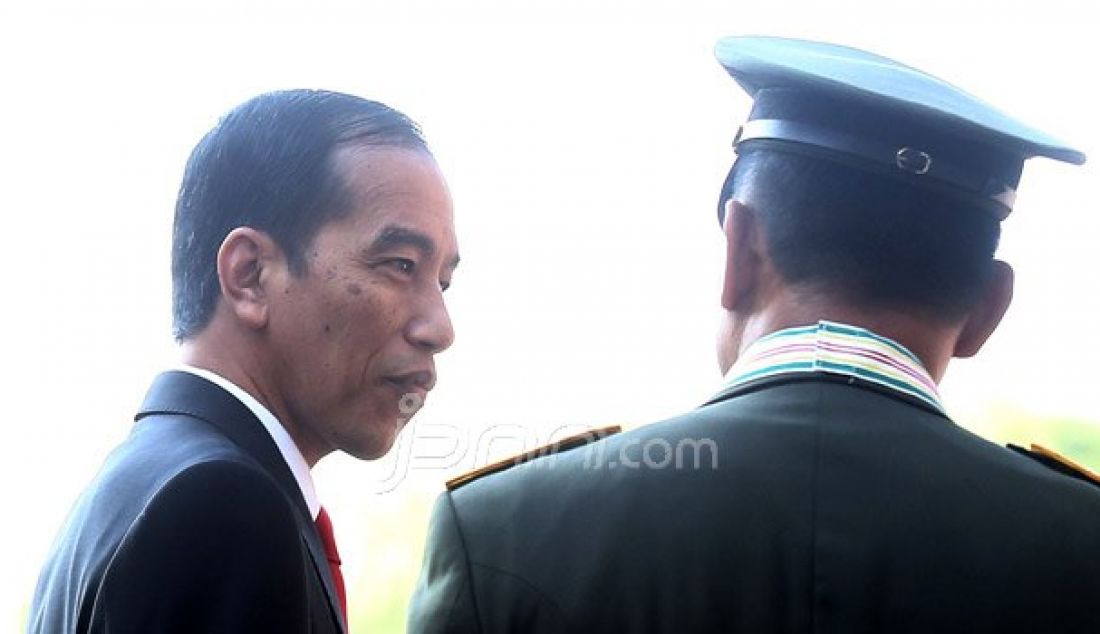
(824, 488)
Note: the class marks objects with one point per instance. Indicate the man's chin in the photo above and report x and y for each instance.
(378, 443)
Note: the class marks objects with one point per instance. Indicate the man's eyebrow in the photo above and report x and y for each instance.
(395, 236)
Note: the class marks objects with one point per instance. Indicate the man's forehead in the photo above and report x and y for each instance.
(394, 182)
(383, 162)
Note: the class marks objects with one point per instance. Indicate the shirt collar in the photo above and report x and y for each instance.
(839, 349)
(291, 455)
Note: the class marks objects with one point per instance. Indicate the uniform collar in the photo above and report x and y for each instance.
(836, 349)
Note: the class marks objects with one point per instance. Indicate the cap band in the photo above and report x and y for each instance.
(903, 160)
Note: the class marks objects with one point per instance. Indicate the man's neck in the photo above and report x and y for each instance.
(223, 356)
(932, 343)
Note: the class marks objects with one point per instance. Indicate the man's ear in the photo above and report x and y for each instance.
(983, 320)
(743, 257)
(242, 259)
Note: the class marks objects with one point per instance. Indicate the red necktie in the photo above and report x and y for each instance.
(328, 540)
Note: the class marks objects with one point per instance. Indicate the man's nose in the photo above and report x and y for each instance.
(431, 329)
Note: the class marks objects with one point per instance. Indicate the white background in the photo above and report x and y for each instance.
(584, 144)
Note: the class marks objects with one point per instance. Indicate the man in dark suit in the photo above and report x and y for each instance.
(823, 488)
(313, 240)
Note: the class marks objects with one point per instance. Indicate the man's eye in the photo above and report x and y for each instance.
(402, 265)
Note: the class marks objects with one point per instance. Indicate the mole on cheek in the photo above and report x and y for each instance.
(328, 328)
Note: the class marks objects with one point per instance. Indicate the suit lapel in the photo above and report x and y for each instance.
(320, 564)
(183, 393)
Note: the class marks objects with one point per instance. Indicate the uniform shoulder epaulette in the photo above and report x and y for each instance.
(1058, 462)
(565, 444)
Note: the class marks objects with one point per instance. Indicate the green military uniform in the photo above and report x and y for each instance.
(824, 501)
(824, 489)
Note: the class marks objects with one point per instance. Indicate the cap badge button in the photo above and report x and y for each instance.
(915, 161)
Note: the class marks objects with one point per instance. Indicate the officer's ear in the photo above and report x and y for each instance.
(245, 263)
(984, 318)
(744, 255)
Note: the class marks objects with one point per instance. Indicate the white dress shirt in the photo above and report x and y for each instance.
(291, 455)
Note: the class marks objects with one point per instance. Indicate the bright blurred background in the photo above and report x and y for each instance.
(584, 142)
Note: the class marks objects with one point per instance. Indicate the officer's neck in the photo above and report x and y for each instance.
(933, 342)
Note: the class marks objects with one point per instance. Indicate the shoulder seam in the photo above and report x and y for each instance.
(560, 446)
(527, 583)
(465, 558)
(1058, 463)
(814, 510)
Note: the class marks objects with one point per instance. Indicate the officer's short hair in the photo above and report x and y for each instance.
(874, 241)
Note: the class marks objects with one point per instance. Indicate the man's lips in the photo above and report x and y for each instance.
(417, 381)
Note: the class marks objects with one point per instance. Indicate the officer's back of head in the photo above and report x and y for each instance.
(867, 191)
(841, 232)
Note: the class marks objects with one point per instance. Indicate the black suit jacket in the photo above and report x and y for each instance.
(194, 524)
(829, 506)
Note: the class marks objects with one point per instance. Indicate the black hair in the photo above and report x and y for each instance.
(869, 239)
(269, 164)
